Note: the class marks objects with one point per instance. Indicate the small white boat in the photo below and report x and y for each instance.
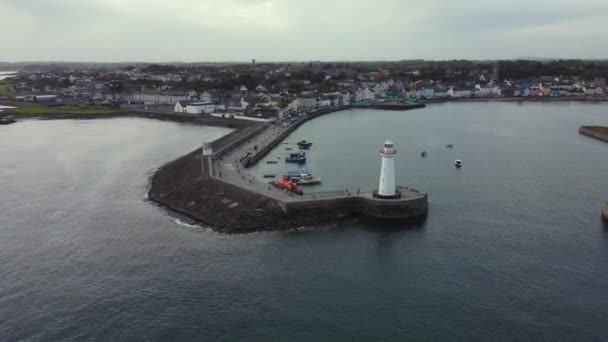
(309, 180)
(458, 163)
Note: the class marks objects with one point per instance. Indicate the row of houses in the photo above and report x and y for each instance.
(265, 106)
(512, 91)
(508, 89)
(169, 99)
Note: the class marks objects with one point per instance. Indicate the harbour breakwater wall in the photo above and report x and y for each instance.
(222, 147)
(364, 205)
(388, 106)
(517, 99)
(243, 204)
(180, 187)
(263, 151)
(594, 132)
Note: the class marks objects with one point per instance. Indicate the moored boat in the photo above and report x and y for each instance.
(309, 180)
(458, 163)
(298, 174)
(288, 185)
(297, 158)
(303, 177)
(303, 144)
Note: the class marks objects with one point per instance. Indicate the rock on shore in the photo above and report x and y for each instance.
(180, 186)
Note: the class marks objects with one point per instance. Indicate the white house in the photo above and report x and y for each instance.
(345, 98)
(380, 89)
(197, 107)
(496, 91)
(180, 106)
(308, 101)
(293, 107)
(261, 89)
(427, 92)
(324, 101)
(459, 92)
(440, 93)
(338, 98)
(591, 90)
(200, 107)
(483, 90)
(364, 95)
(157, 98)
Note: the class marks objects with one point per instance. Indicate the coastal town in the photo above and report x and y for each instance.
(270, 91)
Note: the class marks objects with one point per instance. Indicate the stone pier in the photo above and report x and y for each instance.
(212, 185)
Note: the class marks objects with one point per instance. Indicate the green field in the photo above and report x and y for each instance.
(38, 110)
(4, 85)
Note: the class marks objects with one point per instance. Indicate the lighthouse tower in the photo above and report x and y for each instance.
(386, 189)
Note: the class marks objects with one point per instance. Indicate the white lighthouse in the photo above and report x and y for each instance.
(386, 189)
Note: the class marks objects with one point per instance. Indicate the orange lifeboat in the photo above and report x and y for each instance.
(285, 183)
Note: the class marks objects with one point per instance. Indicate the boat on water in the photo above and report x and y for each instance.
(245, 156)
(303, 177)
(449, 145)
(310, 180)
(297, 174)
(458, 163)
(288, 148)
(423, 154)
(271, 162)
(288, 185)
(297, 158)
(303, 144)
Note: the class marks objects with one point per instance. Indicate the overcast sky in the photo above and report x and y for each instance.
(300, 30)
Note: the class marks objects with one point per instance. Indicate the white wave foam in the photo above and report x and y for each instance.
(187, 225)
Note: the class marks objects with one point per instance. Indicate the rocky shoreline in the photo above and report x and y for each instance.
(180, 186)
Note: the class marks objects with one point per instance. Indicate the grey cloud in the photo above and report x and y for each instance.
(214, 30)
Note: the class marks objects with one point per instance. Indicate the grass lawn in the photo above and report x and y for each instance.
(600, 129)
(37, 110)
(4, 88)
